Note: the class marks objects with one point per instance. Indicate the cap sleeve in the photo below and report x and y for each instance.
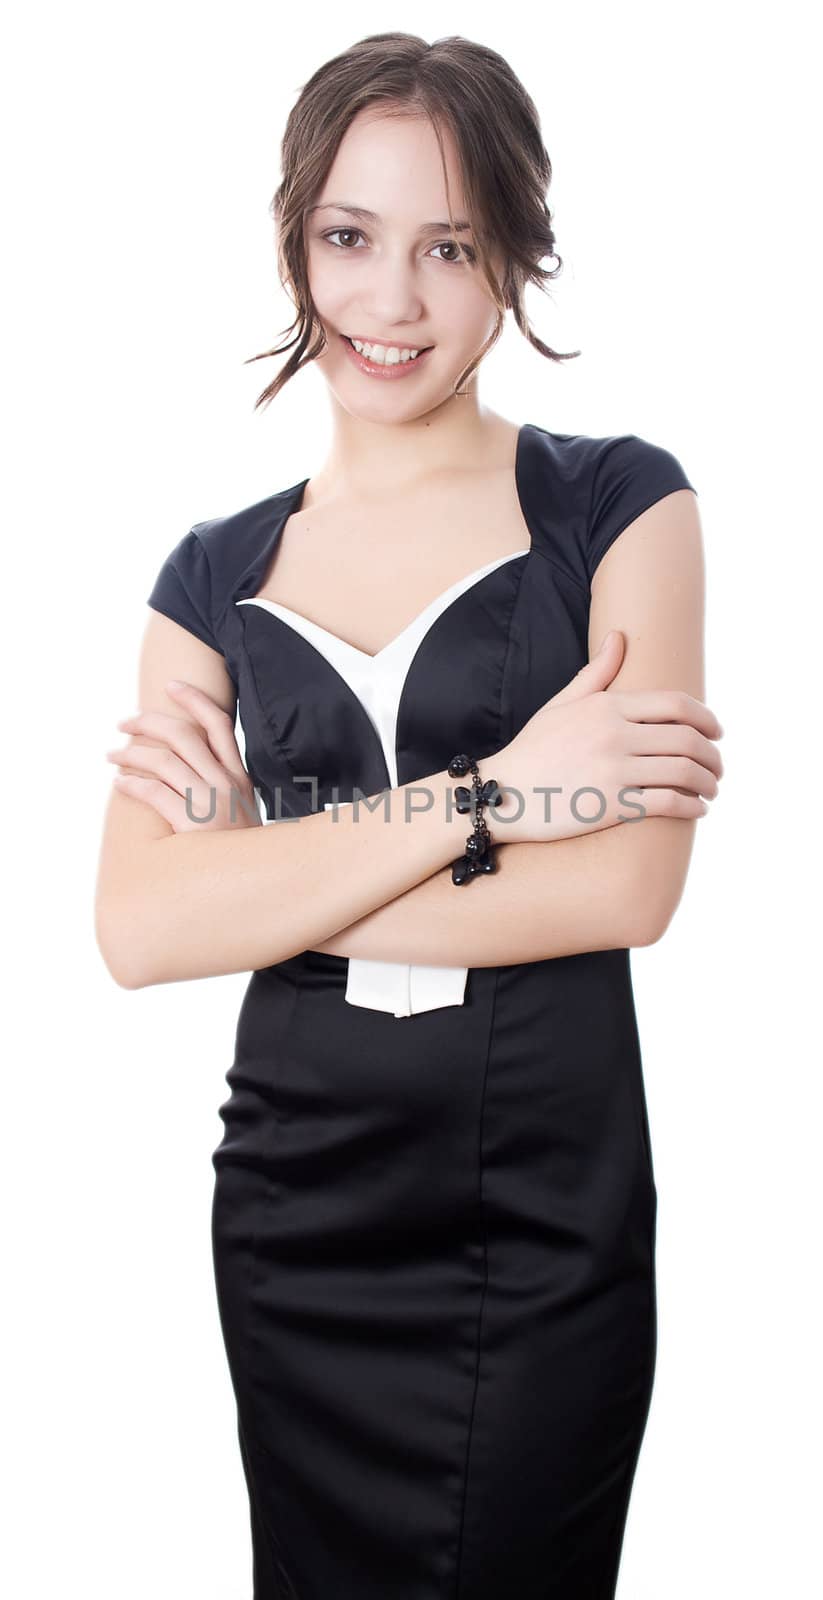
(183, 591)
(630, 475)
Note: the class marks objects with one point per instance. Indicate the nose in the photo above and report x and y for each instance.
(391, 292)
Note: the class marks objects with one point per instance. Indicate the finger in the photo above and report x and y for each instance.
(597, 673)
(185, 738)
(668, 705)
(158, 762)
(156, 795)
(677, 771)
(219, 725)
(670, 739)
(662, 803)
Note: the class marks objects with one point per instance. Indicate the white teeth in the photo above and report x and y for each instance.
(383, 356)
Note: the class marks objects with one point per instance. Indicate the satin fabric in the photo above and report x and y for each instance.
(434, 1234)
(378, 682)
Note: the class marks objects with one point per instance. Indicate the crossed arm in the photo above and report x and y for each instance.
(555, 899)
(609, 889)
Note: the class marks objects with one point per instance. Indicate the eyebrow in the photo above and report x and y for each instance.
(371, 216)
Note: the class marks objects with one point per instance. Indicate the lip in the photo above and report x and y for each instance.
(363, 338)
(372, 369)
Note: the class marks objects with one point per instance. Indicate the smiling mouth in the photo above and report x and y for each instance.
(421, 349)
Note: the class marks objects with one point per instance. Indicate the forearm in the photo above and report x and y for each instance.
(555, 899)
(202, 902)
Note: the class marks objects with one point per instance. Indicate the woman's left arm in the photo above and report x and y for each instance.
(611, 889)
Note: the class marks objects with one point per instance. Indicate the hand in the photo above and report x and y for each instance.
(198, 754)
(657, 745)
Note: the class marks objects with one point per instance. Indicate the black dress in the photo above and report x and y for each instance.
(434, 1204)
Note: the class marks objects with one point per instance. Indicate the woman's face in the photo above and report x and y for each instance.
(399, 277)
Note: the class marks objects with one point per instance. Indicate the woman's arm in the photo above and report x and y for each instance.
(201, 903)
(610, 889)
(554, 899)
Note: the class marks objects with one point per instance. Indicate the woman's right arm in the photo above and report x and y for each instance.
(196, 904)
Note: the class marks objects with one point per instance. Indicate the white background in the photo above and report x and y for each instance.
(141, 150)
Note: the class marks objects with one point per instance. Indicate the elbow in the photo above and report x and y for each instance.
(657, 868)
(646, 932)
(653, 914)
(123, 971)
(115, 937)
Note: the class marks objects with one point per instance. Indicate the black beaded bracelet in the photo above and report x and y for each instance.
(479, 856)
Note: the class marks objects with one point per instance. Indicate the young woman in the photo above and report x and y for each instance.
(434, 1209)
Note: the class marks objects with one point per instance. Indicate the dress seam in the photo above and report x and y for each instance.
(516, 599)
(582, 588)
(458, 1573)
(216, 618)
(267, 720)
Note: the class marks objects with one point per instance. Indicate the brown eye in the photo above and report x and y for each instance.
(464, 251)
(352, 232)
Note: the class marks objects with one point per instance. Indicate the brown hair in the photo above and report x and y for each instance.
(505, 169)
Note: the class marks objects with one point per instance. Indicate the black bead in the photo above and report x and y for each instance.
(461, 870)
(479, 855)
